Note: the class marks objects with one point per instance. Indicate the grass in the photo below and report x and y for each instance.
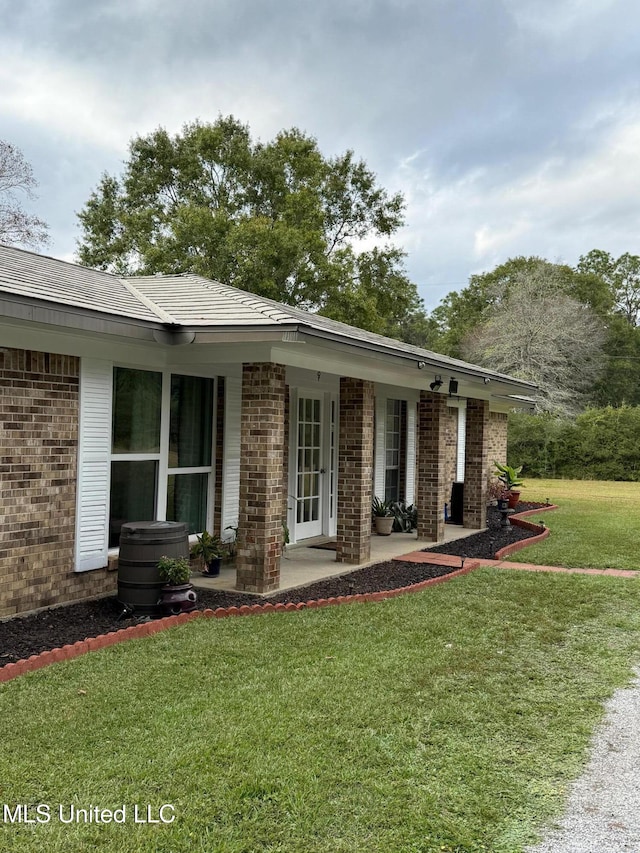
(449, 720)
(597, 525)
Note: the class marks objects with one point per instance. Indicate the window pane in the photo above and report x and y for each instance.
(133, 495)
(187, 500)
(391, 484)
(191, 421)
(137, 401)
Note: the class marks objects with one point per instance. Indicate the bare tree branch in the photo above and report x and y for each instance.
(540, 334)
(16, 225)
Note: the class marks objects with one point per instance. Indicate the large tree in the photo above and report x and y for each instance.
(460, 313)
(16, 178)
(278, 218)
(622, 275)
(537, 331)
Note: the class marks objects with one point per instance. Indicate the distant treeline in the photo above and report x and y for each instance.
(600, 444)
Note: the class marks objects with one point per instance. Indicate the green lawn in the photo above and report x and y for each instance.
(449, 720)
(597, 525)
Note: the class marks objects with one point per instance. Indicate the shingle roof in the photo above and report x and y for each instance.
(39, 277)
(196, 301)
(187, 300)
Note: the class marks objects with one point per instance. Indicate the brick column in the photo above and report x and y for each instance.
(262, 483)
(430, 496)
(476, 470)
(355, 470)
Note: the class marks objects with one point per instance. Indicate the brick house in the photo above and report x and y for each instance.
(180, 398)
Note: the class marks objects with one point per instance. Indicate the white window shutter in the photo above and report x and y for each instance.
(231, 455)
(462, 440)
(410, 486)
(380, 439)
(94, 464)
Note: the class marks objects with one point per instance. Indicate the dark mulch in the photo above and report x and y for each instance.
(28, 635)
(485, 545)
(382, 576)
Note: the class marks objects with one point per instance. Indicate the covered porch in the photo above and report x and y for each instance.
(304, 564)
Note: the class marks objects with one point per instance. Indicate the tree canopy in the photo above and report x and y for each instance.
(277, 218)
(460, 313)
(535, 330)
(622, 275)
(16, 177)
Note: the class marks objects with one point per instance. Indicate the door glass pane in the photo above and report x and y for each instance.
(187, 500)
(137, 401)
(191, 421)
(133, 495)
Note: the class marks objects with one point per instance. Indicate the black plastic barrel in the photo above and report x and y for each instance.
(142, 543)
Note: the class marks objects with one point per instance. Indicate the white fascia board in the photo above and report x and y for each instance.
(432, 361)
(76, 318)
(383, 371)
(83, 344)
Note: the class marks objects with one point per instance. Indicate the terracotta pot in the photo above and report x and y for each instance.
(514, 497)
(384, 525)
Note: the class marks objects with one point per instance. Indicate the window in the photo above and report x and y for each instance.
(395, 449)
(160, 457)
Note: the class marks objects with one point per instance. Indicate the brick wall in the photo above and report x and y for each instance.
(430, 498)
(450, 450)
(476, 468)
(262, 484)
(38, 456)
(355, 470)
(497, 439)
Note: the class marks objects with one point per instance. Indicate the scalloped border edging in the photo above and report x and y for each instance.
(520, 520)
(145, 629)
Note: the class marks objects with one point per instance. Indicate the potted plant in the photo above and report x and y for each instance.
(177, 595)
(510, 478)
(210, 549)
(383, 517)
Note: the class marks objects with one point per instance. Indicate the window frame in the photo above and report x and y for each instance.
(162, 457)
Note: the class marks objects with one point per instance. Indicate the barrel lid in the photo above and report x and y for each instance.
(133, 526)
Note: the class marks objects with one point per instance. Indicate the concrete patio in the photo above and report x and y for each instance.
(304, 564)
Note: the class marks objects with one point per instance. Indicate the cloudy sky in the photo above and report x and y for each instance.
(511, 126)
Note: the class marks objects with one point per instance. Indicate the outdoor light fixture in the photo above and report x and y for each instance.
(422, 365)
(436, 384)
(453, 386)
(486, 380)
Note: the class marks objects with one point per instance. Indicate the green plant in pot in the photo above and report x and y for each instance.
(177, 595)
(510, 478)
(383, 516)
(210, 549)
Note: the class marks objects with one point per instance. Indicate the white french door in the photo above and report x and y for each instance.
(310, 470)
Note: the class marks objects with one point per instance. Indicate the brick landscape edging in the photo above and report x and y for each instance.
(145, 629)
(520, 520)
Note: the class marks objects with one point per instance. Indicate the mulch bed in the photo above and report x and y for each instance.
(484, 545)
(29, 635)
